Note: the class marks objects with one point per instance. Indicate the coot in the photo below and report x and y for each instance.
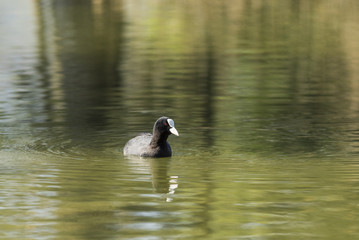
(155, 144)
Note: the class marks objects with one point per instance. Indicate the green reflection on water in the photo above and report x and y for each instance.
(264, 95)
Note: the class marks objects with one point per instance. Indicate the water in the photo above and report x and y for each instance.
(263, 94)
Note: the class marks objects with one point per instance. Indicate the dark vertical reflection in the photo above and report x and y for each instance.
(207, 89)
(87, 42)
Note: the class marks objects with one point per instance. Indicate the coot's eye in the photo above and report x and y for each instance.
(165, 124)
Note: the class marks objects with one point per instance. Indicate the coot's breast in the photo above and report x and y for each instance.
(138, 145)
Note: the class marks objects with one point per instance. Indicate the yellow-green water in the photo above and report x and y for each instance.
(264, 95)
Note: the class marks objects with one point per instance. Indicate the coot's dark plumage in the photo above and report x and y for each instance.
(155, 144)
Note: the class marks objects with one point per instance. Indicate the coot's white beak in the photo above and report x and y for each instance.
(173, 130)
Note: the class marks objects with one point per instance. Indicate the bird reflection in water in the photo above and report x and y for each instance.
(158, 167)
(161, 182)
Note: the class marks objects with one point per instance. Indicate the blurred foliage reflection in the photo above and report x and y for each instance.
(283, 72)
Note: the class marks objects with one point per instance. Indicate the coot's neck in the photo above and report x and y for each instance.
(158, 139)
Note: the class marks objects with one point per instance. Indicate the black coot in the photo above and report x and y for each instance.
(155, 144)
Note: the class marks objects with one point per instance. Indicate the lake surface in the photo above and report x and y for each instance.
(264, 94)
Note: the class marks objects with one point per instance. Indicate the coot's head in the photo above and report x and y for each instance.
(165, 125)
